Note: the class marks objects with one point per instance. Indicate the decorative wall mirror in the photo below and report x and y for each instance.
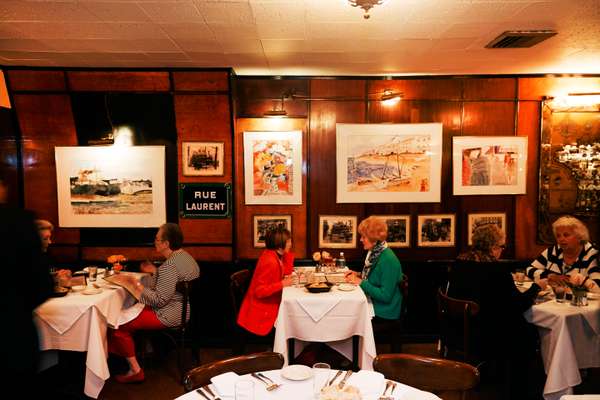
(569, 180)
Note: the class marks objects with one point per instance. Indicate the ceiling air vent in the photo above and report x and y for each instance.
(519, 39)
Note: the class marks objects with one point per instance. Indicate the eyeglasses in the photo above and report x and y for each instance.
(502, 246)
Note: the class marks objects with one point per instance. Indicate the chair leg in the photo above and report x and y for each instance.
(355, 340)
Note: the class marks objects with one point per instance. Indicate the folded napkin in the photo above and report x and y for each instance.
(225, 383)
(318, 306)
(368, 382)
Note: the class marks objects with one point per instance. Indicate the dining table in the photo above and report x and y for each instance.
(79, 322)
(369, 383)
(338, 318)
(570, 341)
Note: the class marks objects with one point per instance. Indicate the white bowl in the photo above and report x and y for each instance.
(78, 288)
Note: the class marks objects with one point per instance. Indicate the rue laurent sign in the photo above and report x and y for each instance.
(205, 200)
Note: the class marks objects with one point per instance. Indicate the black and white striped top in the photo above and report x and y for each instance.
(161, 295)
(551, 261)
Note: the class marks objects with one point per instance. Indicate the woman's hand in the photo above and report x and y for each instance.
(352, 277)
(558, 280)
(286, 281)
(577, 279)
(542, 283)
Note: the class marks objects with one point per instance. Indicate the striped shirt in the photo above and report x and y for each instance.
(552, 261)
(161, 295)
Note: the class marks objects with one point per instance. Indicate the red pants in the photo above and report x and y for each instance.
(120, 341)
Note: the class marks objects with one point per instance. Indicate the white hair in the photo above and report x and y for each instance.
(578, 227)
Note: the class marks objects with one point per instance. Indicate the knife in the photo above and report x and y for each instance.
(343, 381)
(335, 377)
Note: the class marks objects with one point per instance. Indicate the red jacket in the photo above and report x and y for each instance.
(261, 304)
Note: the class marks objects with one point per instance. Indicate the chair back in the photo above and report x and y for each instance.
(184, 288)
(242, 365)
(457, 334)
(446, 378)
(403, 285)
(239, 282)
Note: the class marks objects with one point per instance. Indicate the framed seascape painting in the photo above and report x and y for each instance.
(478, 219)
(388, 163)
(489, 164)
(337, 231)
(436, 230)
(398, 230)
(111, 186)
(202, 158)
(273, 167)
(264, 223)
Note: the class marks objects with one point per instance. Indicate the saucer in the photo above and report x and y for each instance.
(296, 372)
(346, 287)
(91, 290)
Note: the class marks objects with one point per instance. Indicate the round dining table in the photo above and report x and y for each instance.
(370, 384)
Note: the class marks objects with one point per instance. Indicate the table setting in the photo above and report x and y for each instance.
(299, 382)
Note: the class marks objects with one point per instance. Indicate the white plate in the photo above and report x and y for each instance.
(296, 372)
(593, 296)
(346, 287)
(91, 290)
(78, 288)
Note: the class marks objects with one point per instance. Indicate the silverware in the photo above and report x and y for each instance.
(211, 392)
(343, 381)
(393, 388)
(270, 385)
(335, 377)
(199, 390)
(388, 384)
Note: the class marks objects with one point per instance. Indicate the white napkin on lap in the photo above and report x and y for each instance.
(225, 383)
(368, 382)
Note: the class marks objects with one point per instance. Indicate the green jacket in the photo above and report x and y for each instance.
(382, 285)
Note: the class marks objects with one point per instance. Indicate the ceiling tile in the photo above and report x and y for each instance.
(199, 31)
(116, 11)
(241, 46)
(232, 13)
(183, 11)
(11, 10)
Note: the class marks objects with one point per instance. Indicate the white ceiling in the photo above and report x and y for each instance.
(301, 37)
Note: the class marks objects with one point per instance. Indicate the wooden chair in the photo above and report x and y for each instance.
(446, 378)
(238, 285)
(241, 365)
(457, 330)
(391, 331)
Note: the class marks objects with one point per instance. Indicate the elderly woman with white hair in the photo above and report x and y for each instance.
(573, 258)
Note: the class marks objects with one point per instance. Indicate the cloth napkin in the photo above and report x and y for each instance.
(317, 306)
(368, 382)
(225, 383)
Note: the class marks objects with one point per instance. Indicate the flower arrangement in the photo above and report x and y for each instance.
(323, 256)
(116, 260)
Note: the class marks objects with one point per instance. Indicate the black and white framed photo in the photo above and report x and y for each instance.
(264, 223)
(337, 231)
(436, 230)
(202, 158)
(478, 219)
(398, 230)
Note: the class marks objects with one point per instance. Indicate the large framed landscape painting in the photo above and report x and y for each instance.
(388, 163)
(489, 164)
(111, 186)
(273, 167)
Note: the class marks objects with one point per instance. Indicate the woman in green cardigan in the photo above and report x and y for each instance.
(382, 272)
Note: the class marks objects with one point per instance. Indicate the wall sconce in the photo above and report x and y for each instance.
(277, 113)
(390, 98)
(575, 101)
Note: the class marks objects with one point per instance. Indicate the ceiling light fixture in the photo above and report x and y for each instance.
(366, 5)
(277, 113)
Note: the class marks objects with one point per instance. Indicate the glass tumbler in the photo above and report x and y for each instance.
(321, 373)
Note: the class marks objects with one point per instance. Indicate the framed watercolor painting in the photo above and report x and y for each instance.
(388, 163)
(489, 164)
(111, 186)
(479, 219)
(398, 230)
(273, 167)
(264, 223)
(337, 231)
(202, 158)
(437, 230)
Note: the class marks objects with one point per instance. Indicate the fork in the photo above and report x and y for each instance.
(199, 390)
(344, 379)
(207, 388)
(270, 384)
(388, 384)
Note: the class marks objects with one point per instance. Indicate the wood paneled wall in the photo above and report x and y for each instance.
(206, 108)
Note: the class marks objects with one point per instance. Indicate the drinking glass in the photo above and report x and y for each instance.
(519, 276)
(93, 273)
(559, 293)
(321, 372)
(244, 389)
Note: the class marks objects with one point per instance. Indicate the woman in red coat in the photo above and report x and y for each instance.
(273, 272)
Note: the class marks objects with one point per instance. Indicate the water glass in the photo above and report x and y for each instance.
(93, 273)
(559, 293)
(244, 389)
(321, 373)
(520, 276)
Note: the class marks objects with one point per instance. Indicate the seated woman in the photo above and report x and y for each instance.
(573, 255)
(273, 272)
(501, 331)
(381, 273)
(163, 303)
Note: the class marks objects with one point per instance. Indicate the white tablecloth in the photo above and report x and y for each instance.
(332, 317)
(570, 338)
(302, 390)
(78, 322)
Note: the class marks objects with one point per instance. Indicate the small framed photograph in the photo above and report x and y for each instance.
(436, 230)
(264, 223)
(398, 230)
(337, 231)
(478, 219)
(202, 158)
